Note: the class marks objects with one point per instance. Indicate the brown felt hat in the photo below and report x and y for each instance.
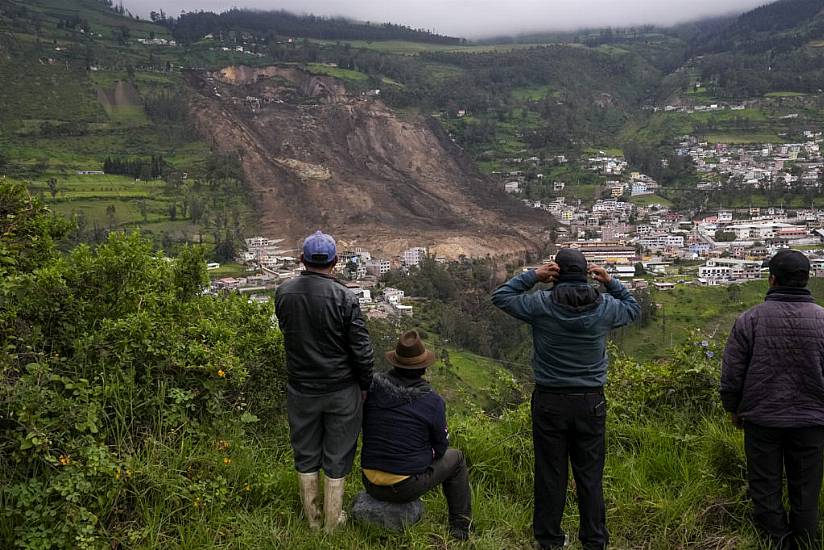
(410, 353)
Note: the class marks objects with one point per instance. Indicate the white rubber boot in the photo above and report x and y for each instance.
(309, 497)
(334, 516)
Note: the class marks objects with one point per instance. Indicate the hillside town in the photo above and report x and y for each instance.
(645, 243)
(268, 265)
(712, 247)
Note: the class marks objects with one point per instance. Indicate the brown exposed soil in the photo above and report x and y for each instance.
(316, 157)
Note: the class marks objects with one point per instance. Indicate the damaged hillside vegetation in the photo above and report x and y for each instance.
(315, 154)
(137, 413)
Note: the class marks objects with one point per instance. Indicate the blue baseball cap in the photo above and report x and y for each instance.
(319, 249)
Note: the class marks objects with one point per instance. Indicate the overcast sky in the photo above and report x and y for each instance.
(477, 18)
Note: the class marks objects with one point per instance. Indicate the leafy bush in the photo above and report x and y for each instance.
(104, 352)
(687, 382)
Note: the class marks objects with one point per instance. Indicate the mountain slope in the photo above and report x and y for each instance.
(316, 156)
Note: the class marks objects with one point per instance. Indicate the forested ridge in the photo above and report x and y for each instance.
(193, 26)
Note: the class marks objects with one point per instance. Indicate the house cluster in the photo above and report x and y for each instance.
(760, 166)
(268, 265)
(732, 244)
(691, 109)
(157, 42)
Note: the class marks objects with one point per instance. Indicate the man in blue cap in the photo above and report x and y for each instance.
(329, 362)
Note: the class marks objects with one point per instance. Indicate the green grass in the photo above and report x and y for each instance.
(402, 47)
(785, 94)
(669, 483)
(343, 74)
(468, 381)
(686, 309)
(743, 138)
(228, 270)
(532, 93)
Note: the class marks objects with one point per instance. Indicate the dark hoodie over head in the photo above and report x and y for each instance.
(570, 324)
(404, 425)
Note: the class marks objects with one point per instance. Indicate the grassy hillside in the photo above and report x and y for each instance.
(78, 89)
(687, 311)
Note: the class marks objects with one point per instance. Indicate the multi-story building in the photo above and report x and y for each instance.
(662, 240)
(414, 256)
(393, 295)
(378, 267)
(606, 252)
(719, 270)
(756, 231)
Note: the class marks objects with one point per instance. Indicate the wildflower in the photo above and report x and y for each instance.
(247, 488)
(227, 460)
(197, 503)
(65, 460)
(117, 474)
(222, 445)
(128, 473)
(705, 344)
(710, 354)
(221, 373)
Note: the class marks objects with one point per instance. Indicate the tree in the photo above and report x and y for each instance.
(725, 236)
(53, 187)
(110, 214)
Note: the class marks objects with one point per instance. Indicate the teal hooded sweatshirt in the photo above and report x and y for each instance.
(569, 339)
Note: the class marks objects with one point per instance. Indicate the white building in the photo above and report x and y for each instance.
(756, 231)
(393, 295)
(662, 240)
(414, 256)
(512, 187)
(719, 270)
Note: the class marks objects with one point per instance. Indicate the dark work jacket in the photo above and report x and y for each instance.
(404, 425)
(327, 344)
(773, 369)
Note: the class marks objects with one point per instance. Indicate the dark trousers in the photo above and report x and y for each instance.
(800, 453)
(324, 429)
(449, 472)
(569, 427)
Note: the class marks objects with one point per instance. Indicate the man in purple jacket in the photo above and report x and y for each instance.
(773, 385)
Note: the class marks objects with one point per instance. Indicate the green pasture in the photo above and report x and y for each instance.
(687, 309)
(343, 74)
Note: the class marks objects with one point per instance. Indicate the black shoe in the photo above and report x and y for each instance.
(460, 530)
(555, 546)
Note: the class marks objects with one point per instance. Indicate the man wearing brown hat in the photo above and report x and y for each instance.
(406, 449)
(772, 383)
(570, 325)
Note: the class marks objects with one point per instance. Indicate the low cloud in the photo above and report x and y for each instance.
(478, 18)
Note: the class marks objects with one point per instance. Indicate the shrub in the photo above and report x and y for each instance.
(103, 352)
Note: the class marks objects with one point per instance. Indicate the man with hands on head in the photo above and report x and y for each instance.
(570, 324)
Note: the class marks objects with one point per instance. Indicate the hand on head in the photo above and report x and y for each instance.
(548, 273)
(598, 273)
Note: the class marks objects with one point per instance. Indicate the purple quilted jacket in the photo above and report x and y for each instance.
(773, 371)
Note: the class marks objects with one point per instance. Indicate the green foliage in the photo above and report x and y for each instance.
(686, 381)
(27, 231)
(103, 351)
